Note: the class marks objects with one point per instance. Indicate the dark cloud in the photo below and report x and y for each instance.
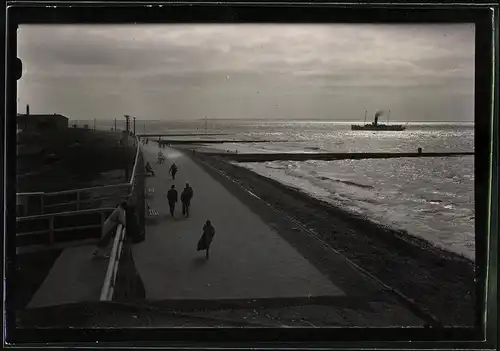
(249, 71)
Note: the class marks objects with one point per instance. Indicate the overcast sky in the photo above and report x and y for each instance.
(419, 72)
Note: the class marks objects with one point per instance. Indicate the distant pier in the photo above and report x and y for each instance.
(152, 135)
(254, 157)
(212, 141)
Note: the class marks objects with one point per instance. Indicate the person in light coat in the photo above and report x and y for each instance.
(117, 217)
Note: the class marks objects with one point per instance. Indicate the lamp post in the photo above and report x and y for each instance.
(134, 125)
(127, 123)
(127, 120)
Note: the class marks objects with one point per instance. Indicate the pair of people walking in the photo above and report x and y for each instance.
(186, 196)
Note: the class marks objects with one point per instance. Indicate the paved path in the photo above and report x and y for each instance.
(248, 259)
(75, 277)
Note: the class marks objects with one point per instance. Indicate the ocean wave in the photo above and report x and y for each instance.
(314, 148)
(434, 202)
(348, 182)
(405, 195)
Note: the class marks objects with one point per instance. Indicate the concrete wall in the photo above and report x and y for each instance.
(129, 285)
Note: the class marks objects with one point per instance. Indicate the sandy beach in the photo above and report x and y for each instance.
(438, 282)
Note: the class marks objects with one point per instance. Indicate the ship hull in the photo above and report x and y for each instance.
(379, 127)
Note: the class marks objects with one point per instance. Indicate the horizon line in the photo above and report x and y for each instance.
(274, 121)
(264, 119)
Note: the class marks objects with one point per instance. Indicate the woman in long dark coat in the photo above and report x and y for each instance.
(206, 238)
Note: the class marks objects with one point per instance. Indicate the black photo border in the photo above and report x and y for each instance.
(486, 131)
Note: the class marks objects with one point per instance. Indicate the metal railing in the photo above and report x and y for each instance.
(108, 287)
(51, 230)
(79, 201)
(22, 197)
(107, 290)
(51, 217)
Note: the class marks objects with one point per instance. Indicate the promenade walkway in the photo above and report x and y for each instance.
(247, 258)
(250, 263)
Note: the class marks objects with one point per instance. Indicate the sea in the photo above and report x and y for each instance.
(431, 198)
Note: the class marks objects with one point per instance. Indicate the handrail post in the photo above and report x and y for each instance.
(102, 220)
(42, 204)
(129, 182)
(51, 230)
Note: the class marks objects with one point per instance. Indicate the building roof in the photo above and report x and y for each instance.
(40, 116)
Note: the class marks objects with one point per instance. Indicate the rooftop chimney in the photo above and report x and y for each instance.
(27, 109)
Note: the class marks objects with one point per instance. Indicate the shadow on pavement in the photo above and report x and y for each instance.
(199, 262)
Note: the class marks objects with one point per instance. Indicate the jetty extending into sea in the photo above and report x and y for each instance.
(151, 135)
(263, 157)
(215, 141)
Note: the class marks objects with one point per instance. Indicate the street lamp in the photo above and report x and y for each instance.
(134, 125)
(127, 123)
(127, 119)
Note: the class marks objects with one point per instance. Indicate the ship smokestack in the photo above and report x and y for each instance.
(27, 109)
(377, 115)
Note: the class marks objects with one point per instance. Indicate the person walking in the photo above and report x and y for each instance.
(160, 157)
(173, 170)
(172, 199)
(186, 196)
(149, 169)
(206, 238)
(117, 217)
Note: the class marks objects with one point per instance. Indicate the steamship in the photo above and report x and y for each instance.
(375, 126)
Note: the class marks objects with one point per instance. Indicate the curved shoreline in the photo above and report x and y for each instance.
(438, 281)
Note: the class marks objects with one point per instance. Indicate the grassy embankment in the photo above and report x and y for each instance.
(61, 160)
(70, 159)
